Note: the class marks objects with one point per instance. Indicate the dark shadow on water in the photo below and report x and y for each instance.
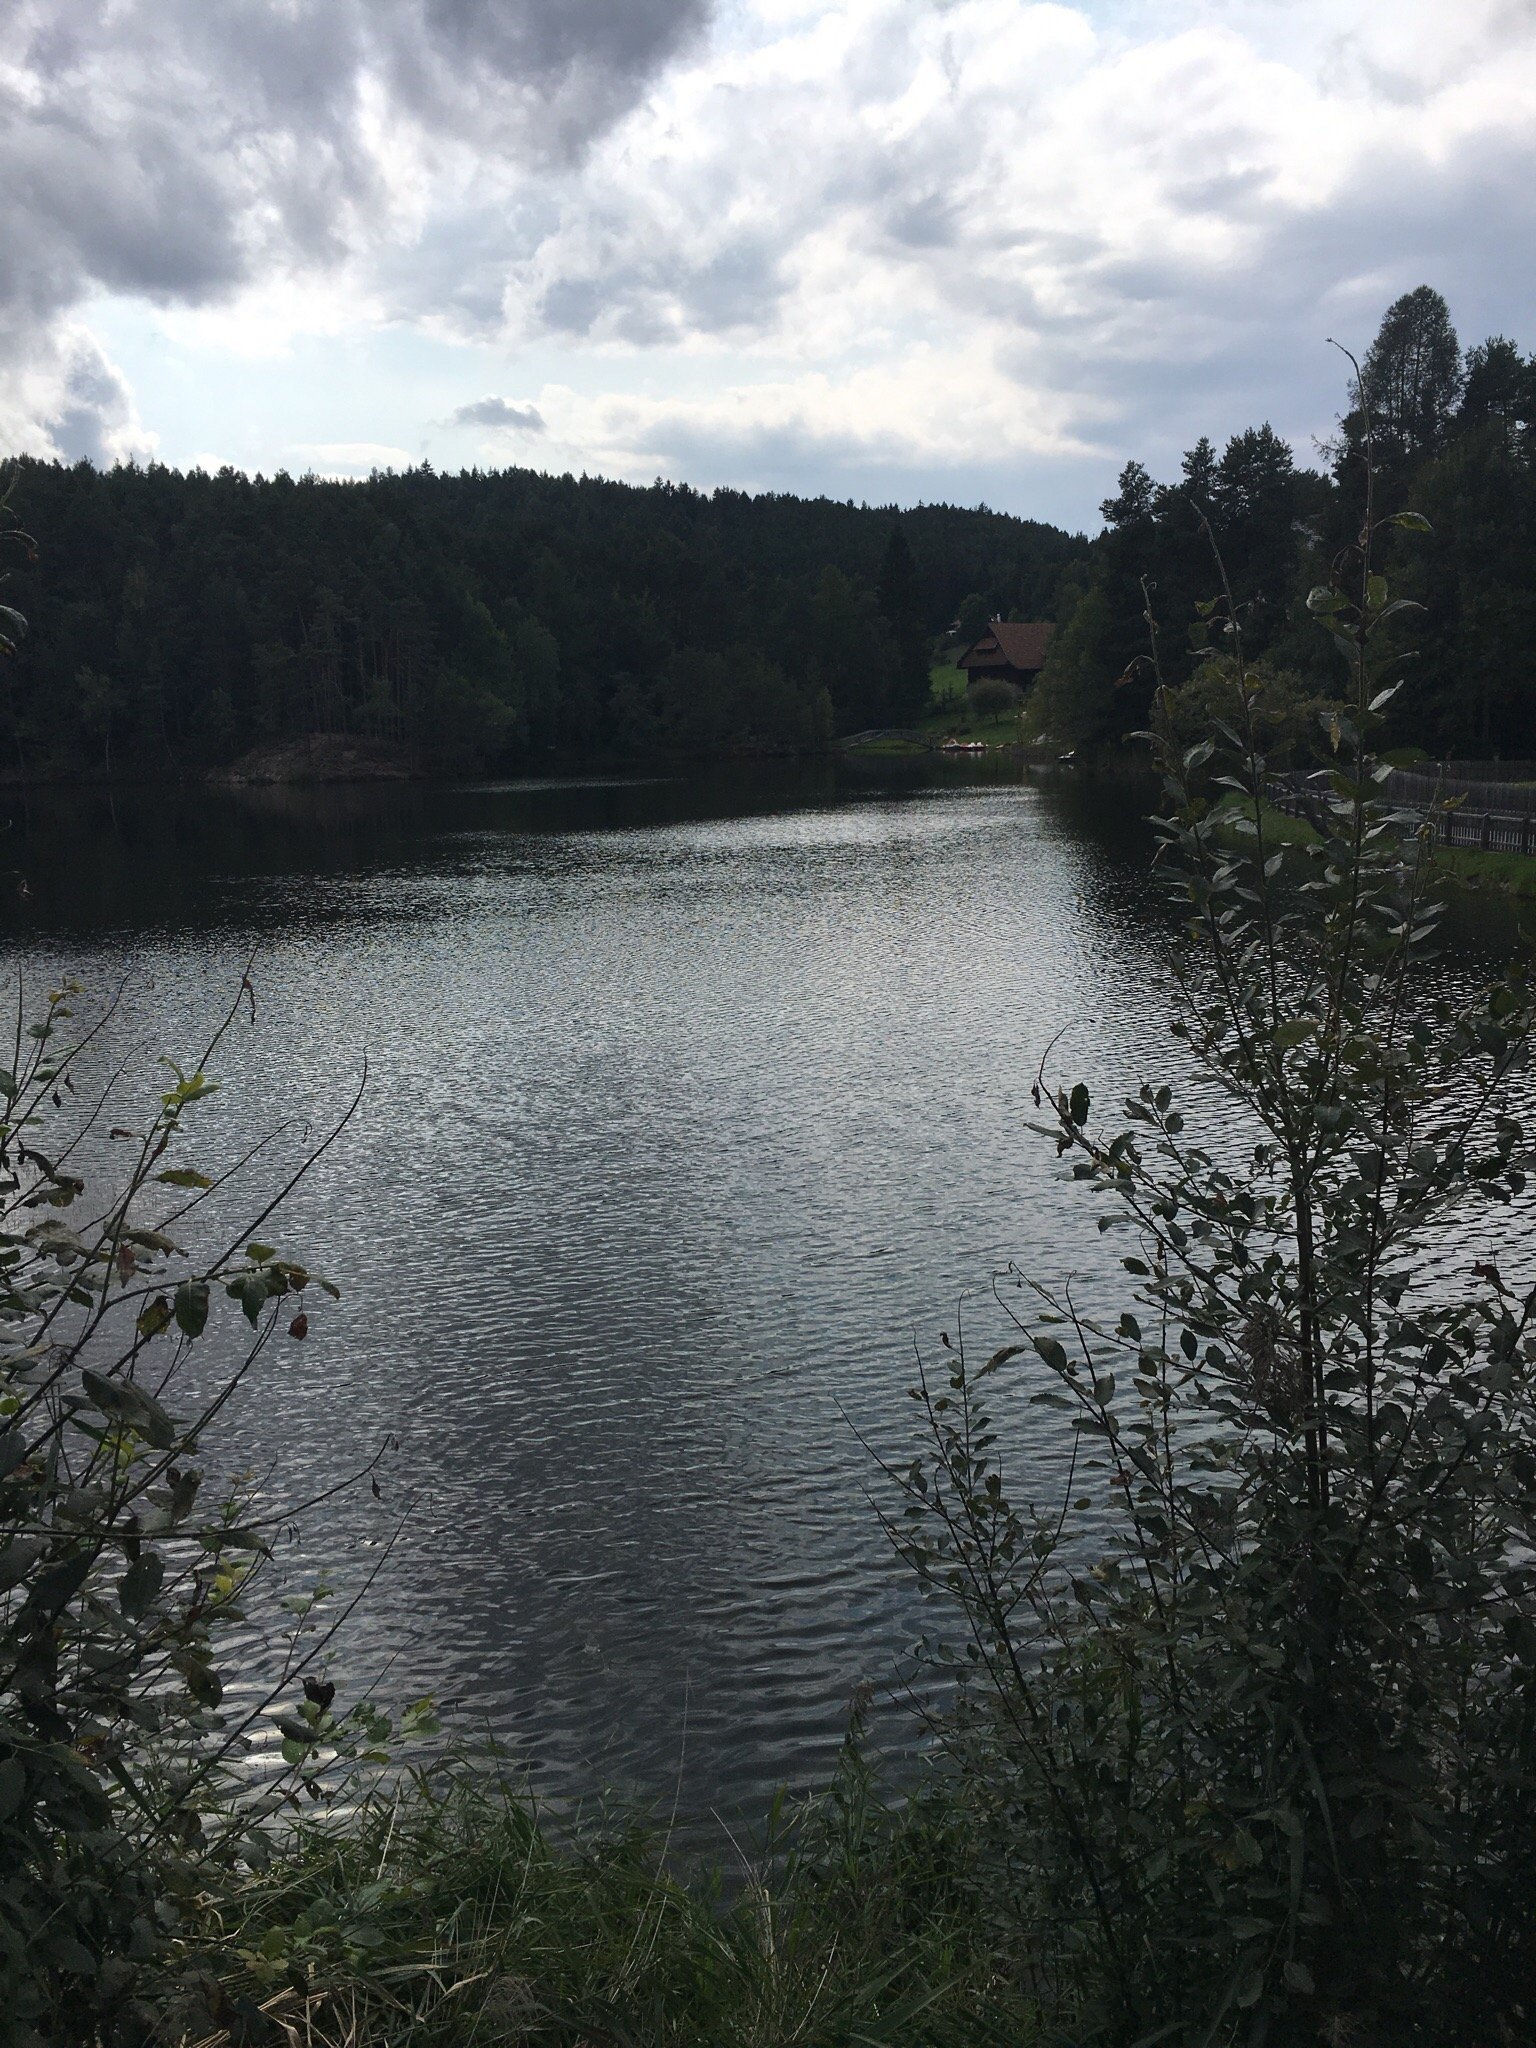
(78, 860)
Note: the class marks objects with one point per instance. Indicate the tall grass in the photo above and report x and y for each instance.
(450, 1910)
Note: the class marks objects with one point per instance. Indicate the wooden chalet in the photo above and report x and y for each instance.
(1015, 651)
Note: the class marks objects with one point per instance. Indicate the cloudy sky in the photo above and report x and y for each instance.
(887, 249)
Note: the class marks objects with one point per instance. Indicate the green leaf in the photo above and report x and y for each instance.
(13, 1786)
(1077, 1105)
(1297, 1976)
(1411, 522)
(184, 1177)
(189, 1090)
(138, 1586)
(17, 1559)
(226, 1536)
(154, 1317)
(110, 1397)
(1250, 1987)
(1294, 1031)
(252, 1293)
(192, 1307)
(128, 1405)
(52, 1590)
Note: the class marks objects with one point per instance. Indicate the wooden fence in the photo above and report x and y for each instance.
(1488, 827)
(1419, 788)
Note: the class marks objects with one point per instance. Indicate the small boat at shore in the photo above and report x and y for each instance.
(963, 747)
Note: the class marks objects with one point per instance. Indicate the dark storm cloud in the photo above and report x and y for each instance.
(925, 220)
(1118, 224)
(576, 64)
(520, 38)
(173, 149)
(498, 412)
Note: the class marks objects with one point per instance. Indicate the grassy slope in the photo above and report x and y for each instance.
(951, 717)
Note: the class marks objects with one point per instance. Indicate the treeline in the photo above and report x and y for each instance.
(481, 619)
(1454, 438)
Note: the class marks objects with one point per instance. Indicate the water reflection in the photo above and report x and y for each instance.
(692, 1106)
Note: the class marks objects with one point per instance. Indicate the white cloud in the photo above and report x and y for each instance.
(68, 399)
(945, 234)
(929, 409)
(830, 235)
(349, 458)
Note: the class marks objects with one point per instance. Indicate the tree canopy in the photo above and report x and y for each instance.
(481, 620)
(1451, 435)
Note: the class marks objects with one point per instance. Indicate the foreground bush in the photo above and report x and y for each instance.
(120, 1570)
(1249, 1727)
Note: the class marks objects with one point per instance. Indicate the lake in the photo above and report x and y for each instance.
(696, 1109)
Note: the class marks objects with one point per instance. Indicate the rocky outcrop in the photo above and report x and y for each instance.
(320, 757)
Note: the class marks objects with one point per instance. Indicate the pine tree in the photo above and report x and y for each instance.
(1412, 375)
(899, 595)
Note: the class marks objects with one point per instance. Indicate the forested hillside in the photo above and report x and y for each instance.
(477, 620)
(1455, 438)
(494, 620)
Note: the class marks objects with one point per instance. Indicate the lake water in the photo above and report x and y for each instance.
(695, 1109)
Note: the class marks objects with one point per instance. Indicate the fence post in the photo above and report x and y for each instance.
(1486, 838)
(1525, 833)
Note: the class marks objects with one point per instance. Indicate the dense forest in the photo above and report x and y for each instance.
(1454, 440)
(504, 618)
(482, 619)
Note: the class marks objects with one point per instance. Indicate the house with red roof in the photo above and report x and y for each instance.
(1012, 649)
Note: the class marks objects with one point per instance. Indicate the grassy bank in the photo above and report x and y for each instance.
(449, 1913)
(1514, 874)
(1280, 829)
(950, 716)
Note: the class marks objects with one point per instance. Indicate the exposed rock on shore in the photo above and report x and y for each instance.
(321, 757)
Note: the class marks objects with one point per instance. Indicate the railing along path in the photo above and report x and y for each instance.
(1495, 816)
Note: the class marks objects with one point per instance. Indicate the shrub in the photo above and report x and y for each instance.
(1259, 1764)
(1288, 715)
(992, 696)
(119, 1779)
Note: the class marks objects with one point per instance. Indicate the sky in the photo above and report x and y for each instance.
(889, 250)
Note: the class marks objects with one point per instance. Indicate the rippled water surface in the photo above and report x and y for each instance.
(692, 1109)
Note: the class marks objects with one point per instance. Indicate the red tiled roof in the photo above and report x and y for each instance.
(1019, 643)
